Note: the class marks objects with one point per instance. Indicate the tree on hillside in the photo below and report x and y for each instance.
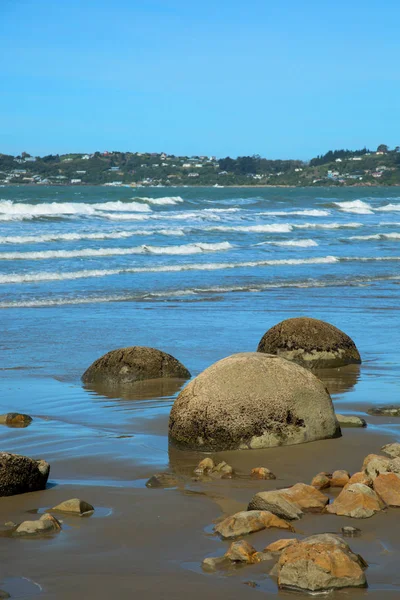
(382, 148)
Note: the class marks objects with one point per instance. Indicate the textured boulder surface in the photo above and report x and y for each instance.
(250, 521)
(126, 366)
(290, 503)
(320, 563)
(15, 420)
(350, 421)
(252, 400)
(20, 474)
(387, 486)
(46, 524)
(311, 343)
(74, 506)
(392, 450)
(356, 500)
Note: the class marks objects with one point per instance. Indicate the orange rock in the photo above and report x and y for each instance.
(249, 521)
(280, 545)
(262, 473)
(356, 500)
(360, 477)
(340, 478)
(321, 481)
(374, 465)
(387, 486)
(320, 563)
(241, 551)
(306, 497)
(204, 466)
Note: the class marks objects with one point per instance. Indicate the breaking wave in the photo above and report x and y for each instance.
(53, 276)
(167, 201)
(18, 211)
(358, 207)
(196, 248)
(294, 243)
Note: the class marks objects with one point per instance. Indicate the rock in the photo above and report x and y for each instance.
(306, 497)
(75, 506)
(251, 521)
(276, 503)
(384, 411)
(277, 547)
(321, 481)
(290, 503)
(214, 563)
(350, 421)
(46, 524)
(349, 531)
(262, 473)
(320, 563)
(205, 466)
(222, 470)
(360, 477)
(126, 366)
(241, 551)
(20, 474)
(374, 465)
(340, 478)
(15, 420)
(238, 552)
(4, 595)
(163, 480)
(310, 343)
(356, 500)
(387, 486)
(392, 450)
(252, 400)
(251, 584)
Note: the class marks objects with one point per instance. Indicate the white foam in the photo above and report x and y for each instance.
(196, 248)
(358, 207)
(271, 228)
(295, 243)
(389, 208)
(308, 283)
(328, 225)
(377, 236)
(166, 201)
(10, 210)
(299, 213)
(72, 237)
(56, 276)
(123, 216)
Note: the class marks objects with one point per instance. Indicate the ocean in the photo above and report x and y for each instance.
(200, 273)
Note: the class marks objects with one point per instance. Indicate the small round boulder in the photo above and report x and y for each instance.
(126, 366)
(252, 400)
(311, 343)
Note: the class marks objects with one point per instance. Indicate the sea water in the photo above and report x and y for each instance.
(200, 273)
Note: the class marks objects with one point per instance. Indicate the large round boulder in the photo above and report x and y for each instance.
(20, 474)
(252, 400)
(126, 366)
(310, 343)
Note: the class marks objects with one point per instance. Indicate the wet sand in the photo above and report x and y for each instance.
(152, 541)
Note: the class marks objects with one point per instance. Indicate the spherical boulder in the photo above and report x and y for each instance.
(252, 400)
(126, 366)
(311, 343)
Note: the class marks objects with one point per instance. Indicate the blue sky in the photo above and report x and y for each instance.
(288, 79)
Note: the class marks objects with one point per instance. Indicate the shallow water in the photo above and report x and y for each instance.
(200, 273)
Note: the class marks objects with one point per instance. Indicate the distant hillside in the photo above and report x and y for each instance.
(337, 167)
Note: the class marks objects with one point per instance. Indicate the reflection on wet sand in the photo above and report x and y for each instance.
(141, 390)
(342, 379)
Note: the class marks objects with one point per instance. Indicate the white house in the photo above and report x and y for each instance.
(76, 180)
